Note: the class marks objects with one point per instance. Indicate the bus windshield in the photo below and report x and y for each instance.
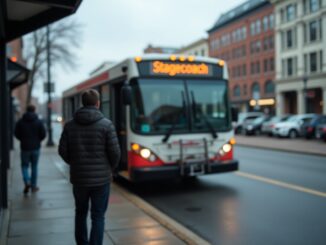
(186, 105)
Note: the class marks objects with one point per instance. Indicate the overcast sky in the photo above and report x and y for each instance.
(116, 29)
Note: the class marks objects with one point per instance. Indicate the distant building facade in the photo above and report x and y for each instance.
(301, 56)
(197, 48)
(244, 37)
(160, 50)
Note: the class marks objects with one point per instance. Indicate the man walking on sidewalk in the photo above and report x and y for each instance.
(89, 144)
(30, 131)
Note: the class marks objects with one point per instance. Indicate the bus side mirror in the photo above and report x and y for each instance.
(126, 94)
(234, 114)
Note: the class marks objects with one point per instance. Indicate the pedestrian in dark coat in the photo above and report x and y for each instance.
(30, 131)
(89, 145)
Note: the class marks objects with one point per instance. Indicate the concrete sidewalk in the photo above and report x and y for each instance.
(47, 217)
(314, 147)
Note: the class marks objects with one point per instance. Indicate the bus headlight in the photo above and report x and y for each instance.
(145, 153)
(226, 148)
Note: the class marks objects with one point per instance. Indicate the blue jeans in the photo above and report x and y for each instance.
(99, 198)
(27, 158)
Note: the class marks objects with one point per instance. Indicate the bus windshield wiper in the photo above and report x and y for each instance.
(195, 109)
(180, 113)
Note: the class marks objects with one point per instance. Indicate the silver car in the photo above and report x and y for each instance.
(291, 127)
(267, 127)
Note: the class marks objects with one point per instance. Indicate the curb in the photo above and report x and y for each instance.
(4, 226)
(282, 149)
(176, 228)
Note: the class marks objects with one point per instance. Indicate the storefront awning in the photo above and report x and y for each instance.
(19, 17)
(16, 74)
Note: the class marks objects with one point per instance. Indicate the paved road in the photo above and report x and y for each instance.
(276, 198)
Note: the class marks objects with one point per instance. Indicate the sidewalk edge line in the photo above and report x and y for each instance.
(282, 149)
(179, 230)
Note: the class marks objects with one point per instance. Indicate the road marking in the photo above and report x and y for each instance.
(282, 184)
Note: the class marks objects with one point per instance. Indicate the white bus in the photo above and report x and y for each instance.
(172, 114)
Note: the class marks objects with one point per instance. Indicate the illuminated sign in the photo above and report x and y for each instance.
(165, 68)
(172, 69)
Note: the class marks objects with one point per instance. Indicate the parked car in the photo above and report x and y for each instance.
(268, 126)
(255, 126)
(308, 129)
(245, 116)
(291, 127)
(321, 132)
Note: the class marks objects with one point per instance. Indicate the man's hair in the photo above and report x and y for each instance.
(90, 97)
(30, 108)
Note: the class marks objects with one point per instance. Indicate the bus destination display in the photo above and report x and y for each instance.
(173, 69)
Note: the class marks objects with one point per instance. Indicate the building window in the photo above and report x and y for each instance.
(282, 15)
(289, 39)
(252, 68)
(321, 60)
(237, 91)
(9, 51)
(258, 26)
(244, 32)
(313, 62)
(244, 69)
(269, 87)
(255, 90)
(252, 28)
(271, 64)
(265, 65)
(265, 23)
(314, 5)
(258, 67)
(271, 21)
(265, 43)
(313, 31)
(289, 67)
(290, 12)
(271, 42)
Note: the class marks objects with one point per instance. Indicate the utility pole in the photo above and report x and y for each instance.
(49, 104)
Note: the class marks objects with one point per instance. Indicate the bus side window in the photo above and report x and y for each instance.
(105, 100)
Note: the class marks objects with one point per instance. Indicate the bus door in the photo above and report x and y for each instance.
(119, 120)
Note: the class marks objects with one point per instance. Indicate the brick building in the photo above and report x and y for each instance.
(14, 52)
(244, 37)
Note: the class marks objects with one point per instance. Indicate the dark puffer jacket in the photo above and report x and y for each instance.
(30, 131)
(89, 144)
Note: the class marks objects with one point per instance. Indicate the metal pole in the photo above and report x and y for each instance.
(50, 138)
(305, 79)
(4, 125)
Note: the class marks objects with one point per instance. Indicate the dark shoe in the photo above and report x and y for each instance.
(35, 189)
(26, 189)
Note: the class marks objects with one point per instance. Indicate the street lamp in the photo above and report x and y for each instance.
(305, 79)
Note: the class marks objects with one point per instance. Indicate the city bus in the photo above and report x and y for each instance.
(171, 112)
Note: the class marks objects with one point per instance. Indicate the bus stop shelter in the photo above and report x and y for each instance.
(17, 18)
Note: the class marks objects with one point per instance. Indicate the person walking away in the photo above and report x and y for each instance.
(89, 145)
(30, 131)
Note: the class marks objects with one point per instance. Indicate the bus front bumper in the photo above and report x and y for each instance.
(174, 171)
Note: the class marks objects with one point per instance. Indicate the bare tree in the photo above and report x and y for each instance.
(64, 40)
